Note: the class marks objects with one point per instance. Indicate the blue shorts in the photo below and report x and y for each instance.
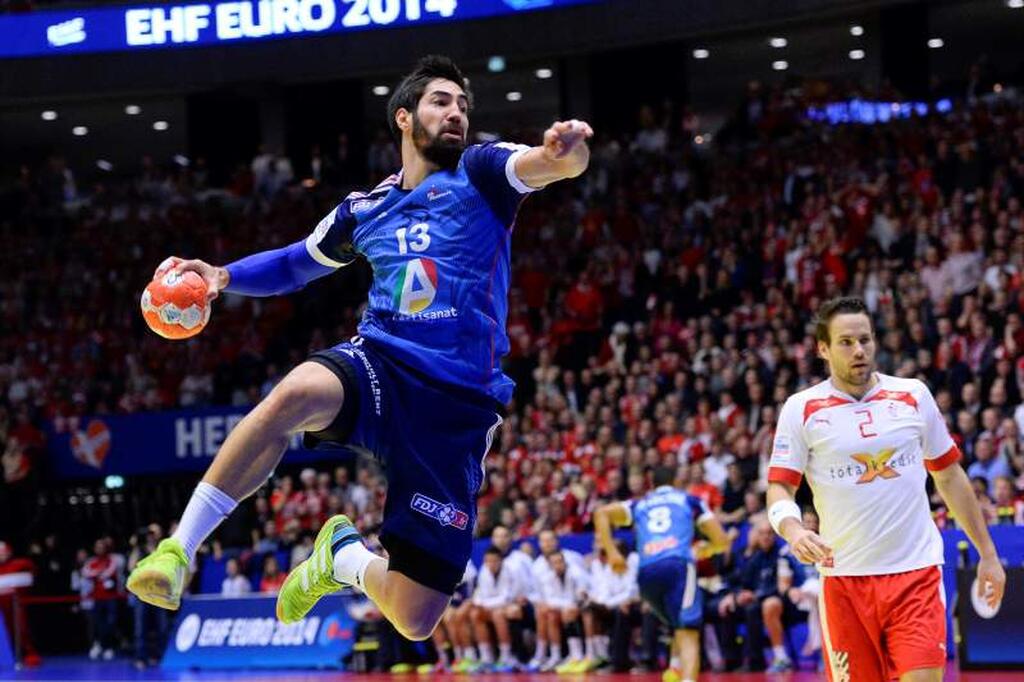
(431, 440)
(669, 586)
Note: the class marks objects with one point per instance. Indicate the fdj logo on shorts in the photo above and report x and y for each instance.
(416, 287)
(445, 514)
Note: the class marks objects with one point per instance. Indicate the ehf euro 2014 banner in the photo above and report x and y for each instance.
(228, 22)
(218, 633)
(149, 443)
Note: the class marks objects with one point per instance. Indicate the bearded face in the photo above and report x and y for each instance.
(442, 148)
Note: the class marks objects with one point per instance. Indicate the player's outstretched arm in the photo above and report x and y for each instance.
(605, 518)
(563, 154)
(268, 273)
(955, 488)
(784, 515)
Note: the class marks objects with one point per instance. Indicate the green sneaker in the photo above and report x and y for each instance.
(314, 577)
(159, 578)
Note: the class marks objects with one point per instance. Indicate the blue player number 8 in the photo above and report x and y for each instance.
(418, 241)
(659, 519)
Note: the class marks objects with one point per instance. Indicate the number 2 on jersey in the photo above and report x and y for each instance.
(419, 239)
(659, 519)
(865, 432)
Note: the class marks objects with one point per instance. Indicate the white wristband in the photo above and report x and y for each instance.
(783, 509)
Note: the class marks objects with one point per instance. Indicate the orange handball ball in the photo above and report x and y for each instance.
(174, 305)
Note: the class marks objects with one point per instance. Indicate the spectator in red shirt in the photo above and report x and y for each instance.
(273, 578)
(698, 487)
(100, 583)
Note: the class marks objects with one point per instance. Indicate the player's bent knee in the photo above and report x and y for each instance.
(416, 627)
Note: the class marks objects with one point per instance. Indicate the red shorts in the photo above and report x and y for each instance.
(878, 627)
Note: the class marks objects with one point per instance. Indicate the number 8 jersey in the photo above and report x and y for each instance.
(665, 520)
(441, 265)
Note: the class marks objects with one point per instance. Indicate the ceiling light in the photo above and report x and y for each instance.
(49, 115)
(160, 125)
(133, 110)
(856, 54)
(496, 64)
(543, 74)
(998, 87)
(381, 90)
(1015, 4)
(79, 131)
(104, 165)
(513, 96)
(778, 42)
(856, 30)
(701, 53)
(780, 65)
(936, 43)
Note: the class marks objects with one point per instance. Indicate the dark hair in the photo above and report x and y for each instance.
(408, 93)
(664, 476)
(842, 305)
(493, 550)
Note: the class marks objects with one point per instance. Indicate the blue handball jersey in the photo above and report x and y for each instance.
(665, 520)
(440, 255)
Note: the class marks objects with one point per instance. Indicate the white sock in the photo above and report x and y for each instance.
(602, 646)
(207, 507)
(542, 647)
(673, 663)
(591, 648)
(468, 653)
(575, 648)
(350, 564)
(486, 653)
(442, 656)
(506, 651)
(780, 653)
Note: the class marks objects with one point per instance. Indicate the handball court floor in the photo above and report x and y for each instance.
(83, 669)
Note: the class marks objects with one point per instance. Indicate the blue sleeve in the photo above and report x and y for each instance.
(491, 169)
(288, 269)
(275, 272)
(799, 573)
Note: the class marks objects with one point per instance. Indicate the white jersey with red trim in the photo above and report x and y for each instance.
(866, 462)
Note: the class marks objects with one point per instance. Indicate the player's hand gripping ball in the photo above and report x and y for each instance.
(175, 305)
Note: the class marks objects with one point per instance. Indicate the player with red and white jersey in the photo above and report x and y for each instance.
(866, 443)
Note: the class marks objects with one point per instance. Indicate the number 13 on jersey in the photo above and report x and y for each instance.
(415, 238)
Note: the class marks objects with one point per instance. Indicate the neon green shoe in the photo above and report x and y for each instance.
(401, 668)
(159, 578)
(314, 577)
(671, 675)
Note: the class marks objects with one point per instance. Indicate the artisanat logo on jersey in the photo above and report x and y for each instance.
(416, 287)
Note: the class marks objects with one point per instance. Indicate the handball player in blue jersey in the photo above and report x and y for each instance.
(420, 387)
(666, 521)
